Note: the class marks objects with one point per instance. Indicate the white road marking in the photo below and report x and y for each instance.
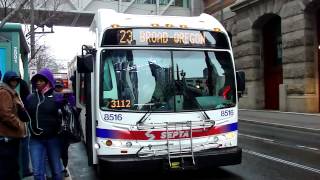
(256, 137)
(282, 161)
(277, 124)
(306, 147)
(281, 112)
(276, 142)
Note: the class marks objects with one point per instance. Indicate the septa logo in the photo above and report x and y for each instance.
(175, 134)
(149, 135)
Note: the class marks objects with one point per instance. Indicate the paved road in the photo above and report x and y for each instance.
(277, 153)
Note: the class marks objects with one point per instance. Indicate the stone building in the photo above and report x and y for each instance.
(276, 43)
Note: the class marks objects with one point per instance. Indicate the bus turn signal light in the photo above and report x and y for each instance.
(216, 29)
(115, 25)
(109, 142)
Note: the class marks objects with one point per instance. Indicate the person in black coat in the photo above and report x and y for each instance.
(24, 93)
(43, 107)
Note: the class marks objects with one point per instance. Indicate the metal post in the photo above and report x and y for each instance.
(118, 5)
(221, 10)
(157, 7)
(191, 8)
(32, 36)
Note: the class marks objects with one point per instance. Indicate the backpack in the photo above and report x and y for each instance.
(70, 123)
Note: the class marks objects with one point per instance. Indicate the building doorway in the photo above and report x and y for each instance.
(272, 53)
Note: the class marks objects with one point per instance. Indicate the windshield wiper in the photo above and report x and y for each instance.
(144, 117)
(225, 105)
(205, 115)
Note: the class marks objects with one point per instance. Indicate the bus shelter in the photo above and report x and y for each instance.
(14, 50)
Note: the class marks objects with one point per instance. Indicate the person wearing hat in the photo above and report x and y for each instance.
(12, 128)
(59, 85)
(43, 106)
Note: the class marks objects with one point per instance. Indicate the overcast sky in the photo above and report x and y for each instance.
(65, 43)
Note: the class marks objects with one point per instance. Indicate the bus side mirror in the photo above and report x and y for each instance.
(241, 82)
(85, 63)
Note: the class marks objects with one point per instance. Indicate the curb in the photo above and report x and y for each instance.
(281, 125)
(281, 112)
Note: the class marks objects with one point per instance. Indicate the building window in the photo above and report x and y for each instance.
(177, 3)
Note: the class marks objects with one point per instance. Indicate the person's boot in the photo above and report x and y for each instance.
(65, 173)
(27, 174)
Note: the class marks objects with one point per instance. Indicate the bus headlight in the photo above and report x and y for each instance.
(230, 135)
(215, 139)
(109, 142)
(128, 144)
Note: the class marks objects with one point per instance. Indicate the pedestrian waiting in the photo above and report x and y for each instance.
(25, 153)
(12, 128)
(43, 107)
(65, 143)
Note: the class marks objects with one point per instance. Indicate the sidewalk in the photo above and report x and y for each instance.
(292, 120)
(78, 164)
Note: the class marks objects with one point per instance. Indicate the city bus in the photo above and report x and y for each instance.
(158, 92)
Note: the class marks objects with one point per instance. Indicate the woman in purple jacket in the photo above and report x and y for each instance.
(43, 106)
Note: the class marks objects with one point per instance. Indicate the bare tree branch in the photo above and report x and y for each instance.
(12, 13)
(3, 3)
(12, 2)
(41, 56)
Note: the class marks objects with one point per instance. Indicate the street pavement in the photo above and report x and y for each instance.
(290, 120)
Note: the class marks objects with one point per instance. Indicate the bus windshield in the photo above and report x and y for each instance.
(166, 80)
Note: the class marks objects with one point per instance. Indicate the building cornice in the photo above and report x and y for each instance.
(216, 5)
(244, 4)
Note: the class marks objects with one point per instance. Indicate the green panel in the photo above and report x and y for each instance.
(12, 27)
(15, 51)
(5, 55)
(3, 60)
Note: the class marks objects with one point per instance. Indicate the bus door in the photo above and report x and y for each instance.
(88, 118)
(85, 68)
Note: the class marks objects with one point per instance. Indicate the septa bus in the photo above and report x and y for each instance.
(159, 91)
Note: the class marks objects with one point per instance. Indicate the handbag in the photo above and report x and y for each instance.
(70, 124)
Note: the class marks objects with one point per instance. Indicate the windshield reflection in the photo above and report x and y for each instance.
(166, 81)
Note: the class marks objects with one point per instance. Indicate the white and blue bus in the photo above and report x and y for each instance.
(159, 92)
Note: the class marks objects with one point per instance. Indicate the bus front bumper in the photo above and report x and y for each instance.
(203, 159)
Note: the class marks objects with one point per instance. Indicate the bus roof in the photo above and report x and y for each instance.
(106, 18)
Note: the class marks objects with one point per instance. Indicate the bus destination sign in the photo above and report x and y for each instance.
(164, 37)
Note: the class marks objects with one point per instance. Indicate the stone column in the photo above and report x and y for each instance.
(247, 58)
(298, 58)
(283, 97)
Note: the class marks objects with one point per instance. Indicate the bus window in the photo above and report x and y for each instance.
(138, 77)
(170, 81)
